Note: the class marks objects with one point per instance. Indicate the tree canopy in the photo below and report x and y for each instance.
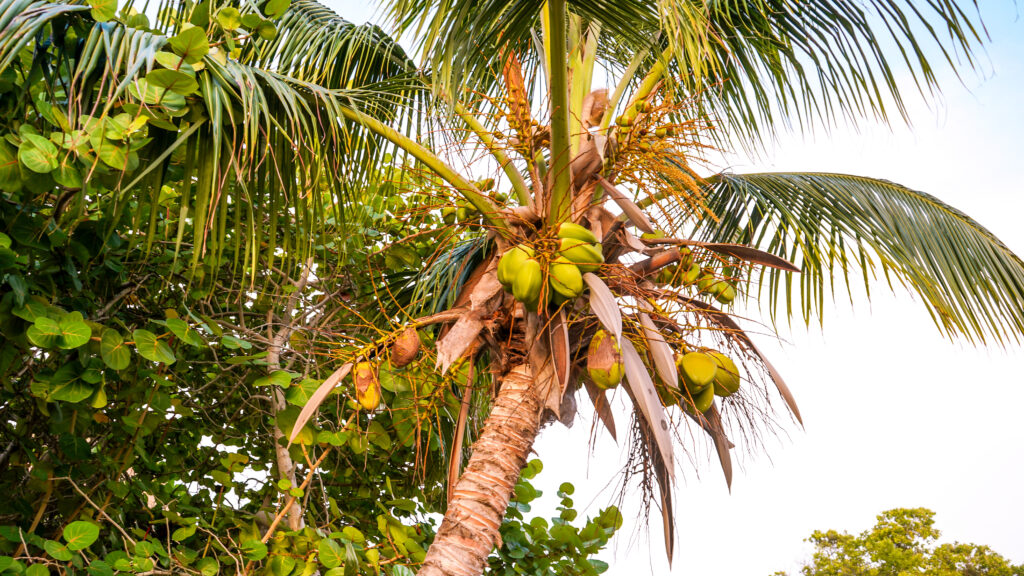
(903, 541)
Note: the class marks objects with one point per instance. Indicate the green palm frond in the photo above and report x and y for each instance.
(317, 45)
(758, 66)
(774, 62)
(259, 160)
(435, 288)
(834, 224)
(463, 42)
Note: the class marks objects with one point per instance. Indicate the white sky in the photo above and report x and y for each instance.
(895, 415)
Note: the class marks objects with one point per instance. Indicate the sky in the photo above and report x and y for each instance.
(894, 414)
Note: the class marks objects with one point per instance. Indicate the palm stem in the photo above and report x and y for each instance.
(558, 209)
(466, 188)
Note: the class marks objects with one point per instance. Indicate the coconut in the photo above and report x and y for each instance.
(405, 348)
(604, 361)
(367, 385)
(727, 377)
(697, 371)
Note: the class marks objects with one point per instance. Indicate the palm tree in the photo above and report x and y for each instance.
(690, 76)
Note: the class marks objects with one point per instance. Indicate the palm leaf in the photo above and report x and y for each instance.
(757, 65)
(835, 224)
(261, 144)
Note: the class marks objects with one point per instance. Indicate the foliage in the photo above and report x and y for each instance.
(536, 546)
(903, 541)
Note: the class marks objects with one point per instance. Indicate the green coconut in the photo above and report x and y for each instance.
(697, 371)
(727, 377)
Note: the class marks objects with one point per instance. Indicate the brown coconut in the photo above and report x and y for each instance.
(405, 348)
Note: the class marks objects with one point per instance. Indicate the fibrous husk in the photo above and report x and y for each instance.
(367, 385)
(594, 106)
(405, 348)
(604, 361)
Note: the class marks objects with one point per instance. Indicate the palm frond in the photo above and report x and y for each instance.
(256, 147)
(773, 62)
(838, 225)
(316, 45)
(760, 66)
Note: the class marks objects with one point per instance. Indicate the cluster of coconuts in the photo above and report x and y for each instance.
(703, 375)
(625, 123)
(706, 375)
(404, 350)
(560, 264)
(687, 273)
(466, 213)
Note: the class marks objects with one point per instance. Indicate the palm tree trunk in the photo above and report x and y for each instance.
(470, 528)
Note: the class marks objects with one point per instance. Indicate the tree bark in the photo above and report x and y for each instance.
(470, 528)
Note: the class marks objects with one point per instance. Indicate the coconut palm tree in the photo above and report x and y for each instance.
(648, 294)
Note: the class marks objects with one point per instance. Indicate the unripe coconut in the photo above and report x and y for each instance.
(727, 294)
(604, 361)
(697, 370)
(448, 214)
(686, 257)
(706, 280)
(405, 348)
(689, 275)
(718, 287)
(367, 385)
(704, 400)
(727, 377)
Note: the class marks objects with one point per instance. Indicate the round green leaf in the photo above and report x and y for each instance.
(173, 80)
(183, 533)
(254, 550)
(184, 332)
(31, 311)
(100, 568)
(174, 62)
(68, 176)
(45, 332)
(71, 391)
(37, 570)
(150, 348)
(300, 393)
(80, 534)
(57, 551)
(73, 331)
(229, 18)
(275, 8)
(114, 154)
(191, 44)
(103, 10)
(38, 154)
(114, 351)
(208, 566)
(276, 378)
(266, 31)
(330, 553)
(9, 177)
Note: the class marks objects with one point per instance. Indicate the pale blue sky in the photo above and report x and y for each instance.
(895, 416)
